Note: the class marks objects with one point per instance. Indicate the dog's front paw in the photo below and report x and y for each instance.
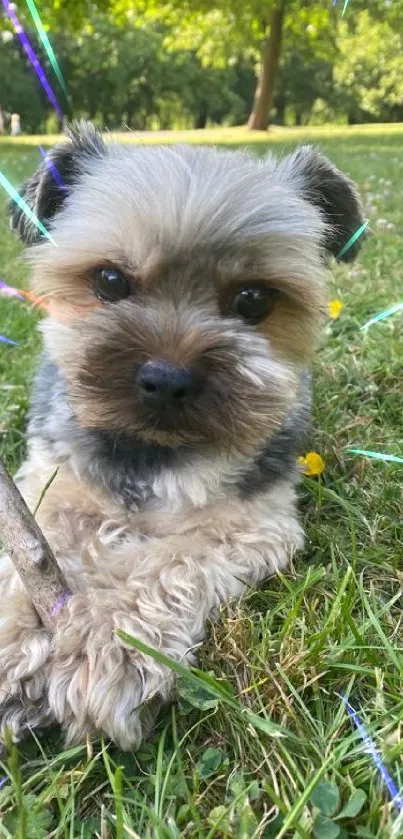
(97, 683)
(25, 650)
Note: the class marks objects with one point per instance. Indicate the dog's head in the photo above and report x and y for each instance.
(186, 285)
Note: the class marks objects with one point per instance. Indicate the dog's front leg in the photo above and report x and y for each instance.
(97, 683)
(172, 584)
(25, 651)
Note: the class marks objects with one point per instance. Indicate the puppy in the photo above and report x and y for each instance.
(185, 294)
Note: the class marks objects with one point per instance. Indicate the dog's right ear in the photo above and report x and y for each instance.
(333, 193)
(44, 192)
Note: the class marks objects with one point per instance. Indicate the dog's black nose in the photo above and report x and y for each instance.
(161, 382)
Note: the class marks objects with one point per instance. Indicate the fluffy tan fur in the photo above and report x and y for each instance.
(157, 575)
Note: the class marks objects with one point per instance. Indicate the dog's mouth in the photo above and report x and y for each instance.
(221, 386)
(230, 413)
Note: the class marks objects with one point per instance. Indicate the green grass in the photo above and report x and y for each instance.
(332, 624)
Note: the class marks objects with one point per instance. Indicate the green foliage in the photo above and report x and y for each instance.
(326, 814)
(325, 828)
(326, 798)
(316, 40)
(126, 75)
(369, 69)
(306, 67)
(194, 696)
(19, 90)
(209, 762)
(37, 820)
(162, 65)
(236, 817)
(202, 680)
(354, 805)
(27, 819)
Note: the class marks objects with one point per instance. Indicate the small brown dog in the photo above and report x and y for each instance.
(185, 294)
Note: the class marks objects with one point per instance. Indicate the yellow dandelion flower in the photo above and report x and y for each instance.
(334, 308)
(312, 463)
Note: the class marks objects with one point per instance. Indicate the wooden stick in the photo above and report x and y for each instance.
(26, 545)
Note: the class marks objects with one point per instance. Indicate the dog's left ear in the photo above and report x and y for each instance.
(48, 188)
(322, 184)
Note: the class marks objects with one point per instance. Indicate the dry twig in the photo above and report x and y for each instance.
(33, 559)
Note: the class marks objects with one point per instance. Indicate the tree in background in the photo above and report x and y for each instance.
(181, 63)
(269, 63)
(226, 32)
(256, 31)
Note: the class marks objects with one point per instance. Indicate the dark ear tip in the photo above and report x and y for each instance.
(46, 190)
(337, 197)
(19, 222)
(350, 255)
(352, 252)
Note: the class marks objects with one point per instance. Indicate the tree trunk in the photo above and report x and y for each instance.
(201, 117)
(280, 104)
(259, 118)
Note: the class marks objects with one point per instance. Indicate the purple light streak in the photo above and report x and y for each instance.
(9, 291)
(58, 606)
(371, 750)
(31, 55)
(8, 341)
(52, 168)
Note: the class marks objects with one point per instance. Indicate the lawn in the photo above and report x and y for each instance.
(332, 625)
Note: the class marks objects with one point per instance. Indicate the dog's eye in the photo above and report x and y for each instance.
(111, 285)
(254, 303)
